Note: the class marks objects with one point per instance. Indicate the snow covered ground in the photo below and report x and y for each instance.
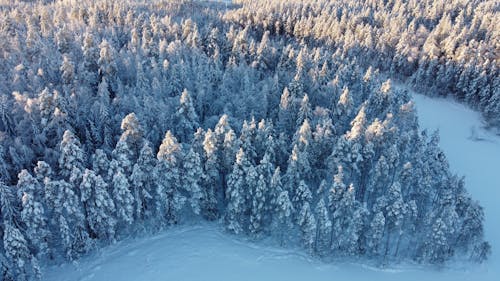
(206, 253)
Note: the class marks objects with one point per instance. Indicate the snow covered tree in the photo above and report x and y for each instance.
(68, 218)
(229, 149)
(307, 224)
(132, 134)
(347, 217)
(437, 248)
(302, 194)
(191, 176)
(98, 205)
(376, 233)
(301, 152)
(71, 161)
(122, 159)
(395, 212)
(305, 112)
(124, 201)
(143, 183)
(324, 227)
(169, 199)
(211, 177)
(107, 62)
(283, 220)
(344, 107)
(25, 264)
(287, 112)
(247, 139)
(100, 163)
(42, 171)
(33, 214)
(258, 206)
(236, 194)
(186, 118)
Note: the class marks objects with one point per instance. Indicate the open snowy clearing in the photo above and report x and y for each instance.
(206, 253)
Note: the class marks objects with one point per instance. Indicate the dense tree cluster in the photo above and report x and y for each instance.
(444, 48)
(124, 117)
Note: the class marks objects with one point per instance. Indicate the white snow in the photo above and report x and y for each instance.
(206, 253)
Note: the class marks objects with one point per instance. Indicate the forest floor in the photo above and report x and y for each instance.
(205, 252)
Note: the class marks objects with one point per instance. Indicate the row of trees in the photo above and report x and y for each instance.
(270, 134)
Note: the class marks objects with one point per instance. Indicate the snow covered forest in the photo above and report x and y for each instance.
(275, 118)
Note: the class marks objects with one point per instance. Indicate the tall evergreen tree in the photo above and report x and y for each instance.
(143, 183)
(169, 199)
(191, 176)
(123, 198)
(98, 205)
(236, 194)
(72, 159)
(186, 117)
(33, 213)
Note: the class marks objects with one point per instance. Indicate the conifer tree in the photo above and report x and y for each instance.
(307, 224)
(211, 177)
(123, 198)
(236, 195)
(99, 207)
(169, 199)
(143, 183)
(33, 213)
(71, 161)
(16, 250)
(186, 117)
(324, 226)
(191, 176)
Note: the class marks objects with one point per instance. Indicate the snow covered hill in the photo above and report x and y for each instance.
(206, 253)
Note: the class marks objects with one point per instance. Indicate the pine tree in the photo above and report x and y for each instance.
(100, 163)
(16, 250)
(302, 194)
(71, 161)
(274, 190)
(42, 171)
(247, 139)
(68, 217)
(99, 207)
(143, 183)
(324, 227)
(307, 224)
(283, 220)
(210, 177)
(376, 234)
(124, 201)
(169, 199)
(287, 113)
(132, 134)
(186, 118)
(305, 112)
(33, 213)
(235, 194)
(229, 149)
(191, 176)
(344, 107)
(107, 64)
(395, 212)
(301, 152)
(258, 205)
(122, 159)
(7, 206)
(437, 248)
